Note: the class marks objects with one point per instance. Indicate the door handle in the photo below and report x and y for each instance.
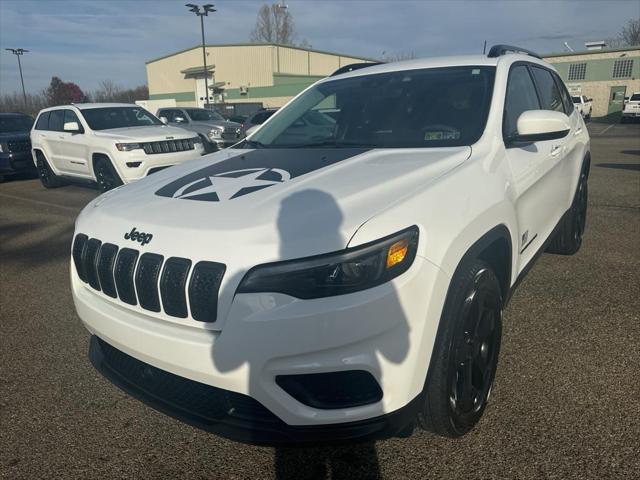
(578, 131)
(555, 150)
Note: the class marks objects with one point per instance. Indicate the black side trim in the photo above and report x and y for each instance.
(123, 273)
(528, 243)
(256, 425)
(354, 66)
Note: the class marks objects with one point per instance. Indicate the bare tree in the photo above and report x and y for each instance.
(630, 33)
(274, 25)
(109, 91)
(397, 57)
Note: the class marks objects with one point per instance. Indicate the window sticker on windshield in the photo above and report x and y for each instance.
(475, 71)
(443, 135)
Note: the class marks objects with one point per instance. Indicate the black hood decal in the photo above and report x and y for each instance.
(252, 171)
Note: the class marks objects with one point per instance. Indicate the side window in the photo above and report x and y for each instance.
(569, 108)
(43, 121)
(70, 116)
(259, 118)
(521, 96)
(56, 120)
(549, 93)
(168, 114)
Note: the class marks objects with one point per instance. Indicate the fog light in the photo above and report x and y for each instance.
(133, 164)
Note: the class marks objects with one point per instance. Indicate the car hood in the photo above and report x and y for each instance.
(216, 123)
(148, 134)
(250, 206)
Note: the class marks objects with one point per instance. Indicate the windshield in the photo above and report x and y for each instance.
(576, 99)
(437, 107)
(118, 117)
(15, 123)
(202, 115)
(635, 97)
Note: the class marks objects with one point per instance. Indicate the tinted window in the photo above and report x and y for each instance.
(70, 116)
(576, 99)
(168, 114)
(118, 117)
(521, 96)
(635, 97)
(56, 120)
(43, 121)
(549, 93)
(15, 123)
(433, 107)
(202, 115)
(569, 108)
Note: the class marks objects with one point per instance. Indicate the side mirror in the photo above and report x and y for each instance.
(164, 120)
(541, 125)
(71, 127)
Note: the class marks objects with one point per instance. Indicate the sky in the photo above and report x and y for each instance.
(90, 41)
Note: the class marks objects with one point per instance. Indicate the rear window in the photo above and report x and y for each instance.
(15, 123)
(43, 121)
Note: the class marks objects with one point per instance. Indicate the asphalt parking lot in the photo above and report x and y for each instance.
(566, 402)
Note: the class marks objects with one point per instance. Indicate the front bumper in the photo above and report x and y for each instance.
(136, 164)
(16, 162)
(387, 331)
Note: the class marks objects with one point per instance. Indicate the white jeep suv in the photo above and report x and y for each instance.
(109, 143)
(345, 282)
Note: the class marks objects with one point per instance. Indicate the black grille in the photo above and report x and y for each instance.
(190, 397)
(231, 133)
(123, 272)
(78, 246)
(147, 281)
(172, 286)
(19, 145)
(120, 274)
(203, 290)
(89, 257)
(167, 146)
(106, 261)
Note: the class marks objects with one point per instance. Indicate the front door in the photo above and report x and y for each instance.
(616, 99)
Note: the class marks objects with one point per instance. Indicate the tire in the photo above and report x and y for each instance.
(465, 355)
(46, 175)
(106, 176)
(568, 239)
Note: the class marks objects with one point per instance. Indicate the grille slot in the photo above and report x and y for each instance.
(167, 146)
(147, 281)
(123, 273)
(172, 286)
(203, 290)
(78, 247)
(106, 261)
(89, 257)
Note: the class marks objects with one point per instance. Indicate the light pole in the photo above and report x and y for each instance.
(17, 52)
(204, 12)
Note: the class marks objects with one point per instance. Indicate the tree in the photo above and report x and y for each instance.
(397, 57)
(62, 93)
(274, 25)
(629, 36)
(109, 91)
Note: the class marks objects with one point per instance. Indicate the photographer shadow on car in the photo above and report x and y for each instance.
(311, 220)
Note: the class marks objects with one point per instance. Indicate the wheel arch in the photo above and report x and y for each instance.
(38, 150)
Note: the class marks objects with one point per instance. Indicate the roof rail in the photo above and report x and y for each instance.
(498, 50)
(354, 66)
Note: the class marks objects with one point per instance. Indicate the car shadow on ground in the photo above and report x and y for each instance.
(314, 217)
(32, 244)
(621, 166)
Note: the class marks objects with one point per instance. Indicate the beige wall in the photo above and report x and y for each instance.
(592, 56)
(600, 92)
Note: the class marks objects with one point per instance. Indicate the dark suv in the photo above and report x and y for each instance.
(15, 146)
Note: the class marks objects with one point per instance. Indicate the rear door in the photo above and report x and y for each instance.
(53, 141)
(73, 147)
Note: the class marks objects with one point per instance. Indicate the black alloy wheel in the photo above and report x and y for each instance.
(106, 176)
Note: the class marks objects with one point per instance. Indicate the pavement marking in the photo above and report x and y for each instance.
(40, 202)
(602, 132)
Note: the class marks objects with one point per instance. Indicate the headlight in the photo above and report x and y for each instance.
(127, 147)
(215, 133)
(336, 273)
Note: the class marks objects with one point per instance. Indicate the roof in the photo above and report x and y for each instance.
(591, 52)
(263, 45)
(86, 106)
(194, 70)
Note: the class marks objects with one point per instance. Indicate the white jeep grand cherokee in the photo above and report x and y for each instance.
(345, 281)
(109, 143)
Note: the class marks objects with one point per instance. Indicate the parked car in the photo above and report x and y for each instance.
(256, 119)
(631, 108)
(109, 143)
(15, 146)
(346, 284)
(215, 132)
(584, 105)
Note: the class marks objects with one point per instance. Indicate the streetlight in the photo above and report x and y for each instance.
(17, 52)
(204, 12)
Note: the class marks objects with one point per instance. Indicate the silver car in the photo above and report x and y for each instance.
(215, 131)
